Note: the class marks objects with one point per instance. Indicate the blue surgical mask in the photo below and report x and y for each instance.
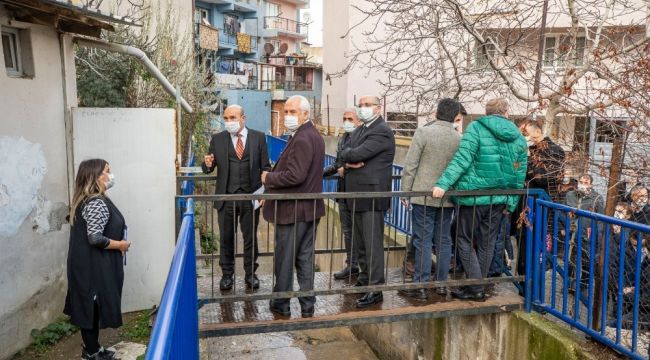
(365, 114)
(348, 126)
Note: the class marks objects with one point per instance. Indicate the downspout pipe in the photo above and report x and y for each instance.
(140, 55)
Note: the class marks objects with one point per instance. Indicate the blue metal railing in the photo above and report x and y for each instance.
(175, 333)
(553, 285)
(572, 245)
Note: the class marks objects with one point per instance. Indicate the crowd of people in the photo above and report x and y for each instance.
(491, 153)
(473, 232)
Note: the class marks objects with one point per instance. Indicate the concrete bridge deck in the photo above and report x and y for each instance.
(247, 317)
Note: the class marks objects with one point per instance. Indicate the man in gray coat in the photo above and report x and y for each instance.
(432, 148)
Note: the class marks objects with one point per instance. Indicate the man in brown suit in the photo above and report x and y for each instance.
(299, 170)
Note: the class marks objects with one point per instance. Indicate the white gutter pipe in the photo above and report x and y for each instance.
(140, 55)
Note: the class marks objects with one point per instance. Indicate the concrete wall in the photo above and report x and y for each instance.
(33, 188)
(503, 336)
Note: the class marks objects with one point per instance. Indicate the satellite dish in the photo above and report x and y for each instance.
(283, 48)
(269, 48)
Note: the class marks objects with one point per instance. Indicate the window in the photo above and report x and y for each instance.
(272, 9)
(559, 52)
(483, 54)
(11, 51)
(403, 124)
(202, 16)
(231, 25)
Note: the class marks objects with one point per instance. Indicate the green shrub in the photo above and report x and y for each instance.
(51, 334)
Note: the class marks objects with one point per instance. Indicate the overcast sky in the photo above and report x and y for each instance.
(315, 12)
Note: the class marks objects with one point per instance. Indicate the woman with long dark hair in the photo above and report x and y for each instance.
(95, 258)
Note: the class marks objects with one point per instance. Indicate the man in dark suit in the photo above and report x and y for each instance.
(298, 170)
(372, 145)
(239, 154)
(350, 123)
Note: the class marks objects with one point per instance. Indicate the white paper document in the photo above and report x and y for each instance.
(257, 203)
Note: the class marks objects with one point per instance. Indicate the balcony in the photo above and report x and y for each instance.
(230, 43)
(208, 37)
(275, 25)
(298, 3)
(286, 85)
(247, 7)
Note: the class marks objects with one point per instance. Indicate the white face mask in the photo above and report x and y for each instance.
(291, 122)
(619, 214)
(111, 181)
(584, 189)
(365, 114)
(232, 126)
(348, 126)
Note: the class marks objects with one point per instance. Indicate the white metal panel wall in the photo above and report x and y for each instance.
(139, 144)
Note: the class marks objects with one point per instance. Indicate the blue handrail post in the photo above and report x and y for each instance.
(175, 334)
(528, 303)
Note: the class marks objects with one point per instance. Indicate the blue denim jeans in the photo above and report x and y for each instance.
(431, 224)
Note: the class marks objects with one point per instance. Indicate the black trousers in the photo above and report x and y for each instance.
(294, 247)
(230, 214)
(369, 235)
(351, 250)
(90, 337)
(479, 222)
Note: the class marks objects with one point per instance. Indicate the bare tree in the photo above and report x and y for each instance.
(593, 63)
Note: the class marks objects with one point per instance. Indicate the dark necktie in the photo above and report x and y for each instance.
(239, 149)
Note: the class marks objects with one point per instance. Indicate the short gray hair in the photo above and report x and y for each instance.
(235, 106)
(304, 103)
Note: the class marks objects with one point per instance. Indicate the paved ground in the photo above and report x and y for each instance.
(323, 344)
(70, 348)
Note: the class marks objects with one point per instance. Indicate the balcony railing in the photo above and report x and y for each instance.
(208, 37)
(279, 23)
(286, 85)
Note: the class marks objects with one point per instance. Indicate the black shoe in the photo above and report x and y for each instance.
(278, 310)
(252, 282)
(442, 291)
(416, 294)
(360, 283)
(469, 295)
(346, 272)
(370, 299)
(102, 354)
(307, 312)
(226, 283)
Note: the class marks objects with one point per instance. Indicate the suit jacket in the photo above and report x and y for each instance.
(298, 170)
(343, 143)
(375, 146)
(431, 150)
(259, 160)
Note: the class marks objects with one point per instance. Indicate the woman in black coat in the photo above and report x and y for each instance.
(95, 258)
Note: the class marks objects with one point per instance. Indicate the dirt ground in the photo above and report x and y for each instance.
(70, 347)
